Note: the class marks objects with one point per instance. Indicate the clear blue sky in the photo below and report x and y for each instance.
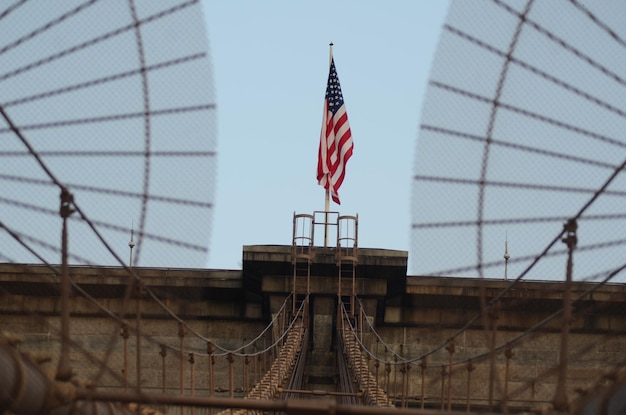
(270, 63)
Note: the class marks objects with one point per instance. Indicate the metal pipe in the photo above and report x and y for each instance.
(265, 355)
(361, 312)
(508, 353)
(124, 334)
(292, 406)
(192, 362)
(293, 291)
(64, 370)
(246, 374)
(308, 277)
(423, 366)
(192, 375)
(138, 336)
(353, 296)
(443, 384)
(209, 350)
(470, 369)
(231, 376)
(181, 335)
(257, 375)
(367, 359)
(493, 318)
(376, 366)
(405, 384)
(163, 353)
(395, 379)
(320, 392)
(89, 407)
(388, 370)
(283, 324)
(560, 397)
(24, 389)
(339, 316)
(450, 348)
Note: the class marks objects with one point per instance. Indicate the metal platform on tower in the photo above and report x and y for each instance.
(324, 260)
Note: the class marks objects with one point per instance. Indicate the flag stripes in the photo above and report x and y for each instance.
(336, 144)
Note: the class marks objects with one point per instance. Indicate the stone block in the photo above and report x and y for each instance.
(393, 315)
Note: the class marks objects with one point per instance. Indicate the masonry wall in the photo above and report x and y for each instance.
(97, 354)
(218, 306)
(533, 365)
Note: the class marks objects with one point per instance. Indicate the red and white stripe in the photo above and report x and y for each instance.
(335, 149)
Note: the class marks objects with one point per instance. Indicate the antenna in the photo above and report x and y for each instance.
(131, 244)
(506, 255)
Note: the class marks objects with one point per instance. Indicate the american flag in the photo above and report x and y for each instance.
(335, 140)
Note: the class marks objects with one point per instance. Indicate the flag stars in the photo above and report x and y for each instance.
(333, 90)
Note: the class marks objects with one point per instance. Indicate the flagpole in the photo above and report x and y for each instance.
(326, 210)
(327, 200)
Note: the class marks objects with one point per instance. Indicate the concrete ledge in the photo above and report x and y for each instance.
(544, 290)
(324, 255)
(323, 285)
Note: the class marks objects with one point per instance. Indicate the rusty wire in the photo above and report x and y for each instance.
(480, 222)
(37, 246)
(499, 106)
(91, 42)
(508, 57)
(607, 275)
(102, 80)
(147, 113)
